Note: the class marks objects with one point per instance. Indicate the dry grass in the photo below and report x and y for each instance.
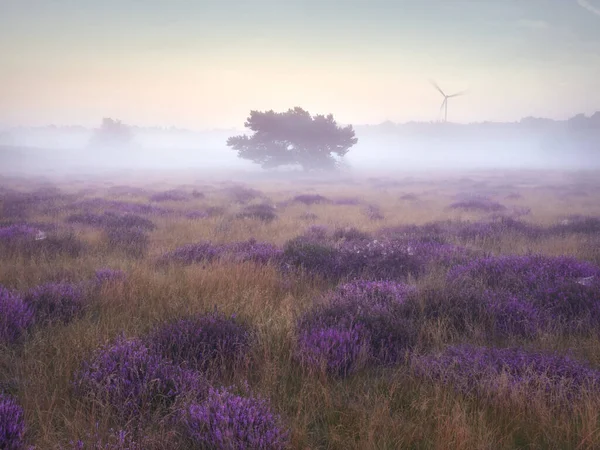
(383, 409)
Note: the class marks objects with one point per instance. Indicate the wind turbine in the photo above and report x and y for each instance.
(446, 97)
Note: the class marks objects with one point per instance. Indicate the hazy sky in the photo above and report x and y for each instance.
(207, 63)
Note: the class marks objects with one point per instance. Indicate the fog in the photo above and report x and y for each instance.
(530, 143)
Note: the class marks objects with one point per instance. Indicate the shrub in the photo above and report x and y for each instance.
(263, 212)
(375, 259)
(251, 250)
(15, 316)
(241, 194)
(193, 253)
(310, 199)
(551, 285)
(477, 371)
(361, 320)
(347, 201)
(173, 195)
(203, 341)
(350, 234)
(578, 224)
(481, 204)
(373, 212)
(132, 241)
(313, 257)
(227, 421)
(12, 424)
(111, 220)
(336, 349)
(116, 440)
(127, 377)
(196, 215)
(55, 302)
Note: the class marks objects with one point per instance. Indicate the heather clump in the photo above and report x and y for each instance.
(15, 316)
(12, 424)
(346, 201)
(336, 350)
(31, 240)
(479, 204)
(132, 241)
(263, 211)
(522, 274)
(241, 194)
(409, 197)
(197, 215)
(55, 302)
(127, 191)
(116, 440)
(103, 204)
(435, 232)
(350, 234)
(358, 256)
(228, 421)
(112, 220)
(563, 290)
(314, 258)
(202, 342)
(373, 212)
(252, 250)
(133, 381)
(201, 252)
(577, 225)
(173, 195)
(487, 371)
(496, 229)
(360, 321)
(310, 199)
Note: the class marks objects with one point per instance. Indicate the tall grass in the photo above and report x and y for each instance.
(375, 406)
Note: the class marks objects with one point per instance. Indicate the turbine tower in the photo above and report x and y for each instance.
(446, 97)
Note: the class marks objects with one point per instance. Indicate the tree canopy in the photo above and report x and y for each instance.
(112, 132)
(293, 137)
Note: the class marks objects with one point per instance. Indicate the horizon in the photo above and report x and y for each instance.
(241, 129)
(204, 67)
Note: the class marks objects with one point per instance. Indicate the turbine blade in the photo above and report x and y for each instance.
(434, 84)
(458, 94)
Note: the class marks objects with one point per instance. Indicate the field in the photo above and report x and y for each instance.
(421, 311)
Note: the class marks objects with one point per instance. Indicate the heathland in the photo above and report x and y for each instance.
(408, 310)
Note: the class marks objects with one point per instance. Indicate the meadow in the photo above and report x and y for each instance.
(382, 311)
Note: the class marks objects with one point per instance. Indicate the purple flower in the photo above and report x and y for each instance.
(173, 195)
(477, 370)
(203, 342)
(251, 250)
(193, 253)
(478, 204)
(361, 320)
(12, 424)
(132, 241)
(15, 316)
(264, 212)
(310, 199)
(241, 194)
(227, 421)
(55, 302)
(134, 381)
(336, 349)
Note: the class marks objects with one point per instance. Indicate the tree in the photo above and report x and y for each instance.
(112, 133)
(293, 137)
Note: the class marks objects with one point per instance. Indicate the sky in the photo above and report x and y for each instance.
(206, 63)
